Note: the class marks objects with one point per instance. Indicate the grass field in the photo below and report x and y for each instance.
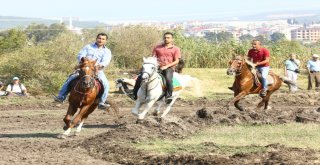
(216, 82)
(225, 139)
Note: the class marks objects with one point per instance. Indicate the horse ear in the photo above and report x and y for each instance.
(82, 59)
(230, 62)
(144, 59)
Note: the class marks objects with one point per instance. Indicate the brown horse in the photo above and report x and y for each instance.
(84, 95)
(244, 83)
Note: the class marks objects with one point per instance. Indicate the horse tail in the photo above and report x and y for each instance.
(180, 65)
(195, 85)
(288, 81)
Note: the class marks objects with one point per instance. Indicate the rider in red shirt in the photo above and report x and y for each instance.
(168, 57)
(260, 57)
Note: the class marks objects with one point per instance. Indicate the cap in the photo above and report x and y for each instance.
(315, 55)
(15, 78)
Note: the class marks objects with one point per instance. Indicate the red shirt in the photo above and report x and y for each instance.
(165, 55)
(259, 55)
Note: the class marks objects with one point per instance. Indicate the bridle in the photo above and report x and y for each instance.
(238, 70)
(92, 82)
(149, 76)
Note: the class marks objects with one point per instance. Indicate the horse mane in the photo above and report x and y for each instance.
(251, 65)
(85, 62)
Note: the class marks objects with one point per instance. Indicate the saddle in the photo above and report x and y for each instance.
(175, 82)
(258, 77)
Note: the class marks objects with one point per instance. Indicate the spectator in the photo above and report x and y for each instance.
(313, 67)
(16, 88)
(1, 87)
(291, 70)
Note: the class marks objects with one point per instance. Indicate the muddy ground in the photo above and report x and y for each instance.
(28, 132)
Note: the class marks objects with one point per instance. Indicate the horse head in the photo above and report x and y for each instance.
(149, 67)
(235, 65)
(87, 72)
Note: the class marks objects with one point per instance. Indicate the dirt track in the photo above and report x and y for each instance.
(28, 133)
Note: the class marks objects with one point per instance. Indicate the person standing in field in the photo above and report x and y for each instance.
(313, 67)
(291, 70)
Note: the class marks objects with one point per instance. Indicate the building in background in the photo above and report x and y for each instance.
(306, 34)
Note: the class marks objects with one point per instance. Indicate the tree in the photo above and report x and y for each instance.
(219, 37)
(246, 37)
(276, 37)
(41, 32)
(12, 40)
(262, 39)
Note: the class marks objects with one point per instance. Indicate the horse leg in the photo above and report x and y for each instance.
(135, 110)
(158, 109)
(146, 109)
(84, 117)
(265, 101)
(236, 99)
(67, 119)
(78, 117)
(236, 104)
(165, 112)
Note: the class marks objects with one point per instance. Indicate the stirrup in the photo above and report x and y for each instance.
(57, 99)
(263, 93)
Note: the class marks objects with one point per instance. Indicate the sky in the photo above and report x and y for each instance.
(136, 10)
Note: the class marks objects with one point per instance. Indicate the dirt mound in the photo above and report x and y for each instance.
(113, 146)
(273, 116)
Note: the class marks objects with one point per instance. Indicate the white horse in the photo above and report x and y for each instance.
(151, 89)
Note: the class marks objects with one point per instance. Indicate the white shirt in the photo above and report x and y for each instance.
(15, 88)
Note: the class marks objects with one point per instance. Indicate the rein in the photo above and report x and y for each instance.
(84, 93)
(150, 75)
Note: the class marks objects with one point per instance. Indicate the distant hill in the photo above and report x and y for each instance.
(7, 22)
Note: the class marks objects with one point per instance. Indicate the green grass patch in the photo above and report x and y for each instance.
(222, 139)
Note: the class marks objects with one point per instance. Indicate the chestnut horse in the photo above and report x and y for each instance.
(85, 94)
(244, 83)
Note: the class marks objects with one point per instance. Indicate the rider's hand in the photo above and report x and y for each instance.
(163, 67)
(100, 67)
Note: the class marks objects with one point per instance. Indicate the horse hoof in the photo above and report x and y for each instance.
(155, 113)
(62, 136)
(65, 128)
(139, 121)
(76, 134)
(159, 119)
(134, 113)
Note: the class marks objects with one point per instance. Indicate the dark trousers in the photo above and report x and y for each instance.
(167, 73)
(314, 77)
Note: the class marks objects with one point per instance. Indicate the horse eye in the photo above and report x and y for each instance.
(153, 68)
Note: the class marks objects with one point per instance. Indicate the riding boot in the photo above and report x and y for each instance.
(135, 90)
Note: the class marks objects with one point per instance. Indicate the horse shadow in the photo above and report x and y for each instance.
(29, 135)
(103, 126)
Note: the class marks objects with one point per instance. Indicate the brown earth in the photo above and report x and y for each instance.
(28, 132)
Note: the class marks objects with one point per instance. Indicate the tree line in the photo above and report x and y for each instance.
(44, 55)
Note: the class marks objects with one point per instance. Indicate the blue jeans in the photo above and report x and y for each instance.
(264, 70)
(64, 89)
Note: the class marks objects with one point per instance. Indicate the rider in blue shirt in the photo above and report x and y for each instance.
(95, 51)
